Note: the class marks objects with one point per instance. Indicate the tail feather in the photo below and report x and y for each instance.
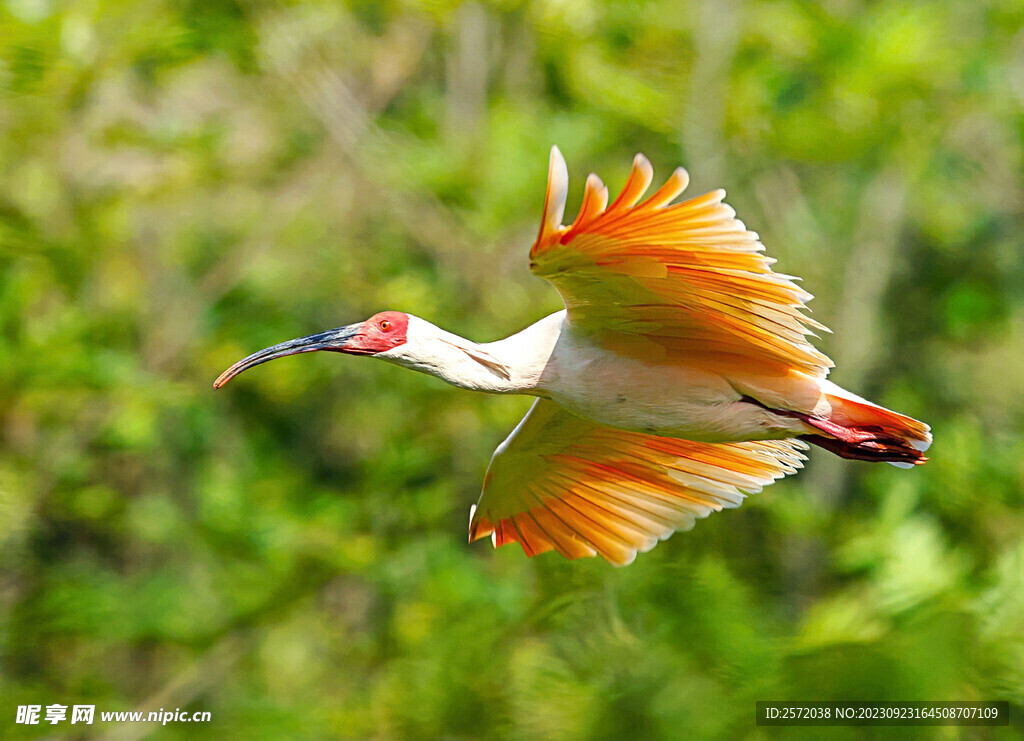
(860, 430)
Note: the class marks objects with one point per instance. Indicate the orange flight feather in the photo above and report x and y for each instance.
(564, 483)
(688, 276)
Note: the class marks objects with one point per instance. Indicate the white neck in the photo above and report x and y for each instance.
(513, 365)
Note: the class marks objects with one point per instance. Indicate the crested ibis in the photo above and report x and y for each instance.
(677, 379)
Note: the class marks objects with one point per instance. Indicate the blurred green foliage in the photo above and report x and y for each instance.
(183, 183)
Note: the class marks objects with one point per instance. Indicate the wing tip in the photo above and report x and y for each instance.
(643, 165)
(479, 527)
(555, 196)
(681, 175)
(677, 182)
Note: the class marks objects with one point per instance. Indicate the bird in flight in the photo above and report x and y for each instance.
(677, 379)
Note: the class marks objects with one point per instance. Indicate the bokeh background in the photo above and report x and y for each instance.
(182, 183)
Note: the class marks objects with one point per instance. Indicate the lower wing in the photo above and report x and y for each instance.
(562, 482)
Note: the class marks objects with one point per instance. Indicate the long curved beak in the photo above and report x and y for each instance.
(333, 340)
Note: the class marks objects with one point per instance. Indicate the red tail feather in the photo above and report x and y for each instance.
(860, 430)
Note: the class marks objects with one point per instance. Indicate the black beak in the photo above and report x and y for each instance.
(333, 340)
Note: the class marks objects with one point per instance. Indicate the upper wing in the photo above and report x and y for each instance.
(656, 279)
(560, 481)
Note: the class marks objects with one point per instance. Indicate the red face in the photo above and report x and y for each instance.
(379, 333)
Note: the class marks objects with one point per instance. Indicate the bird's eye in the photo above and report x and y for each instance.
(385, 325)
